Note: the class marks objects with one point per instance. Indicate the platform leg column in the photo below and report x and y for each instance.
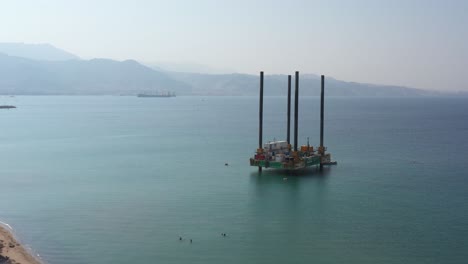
(260, 119)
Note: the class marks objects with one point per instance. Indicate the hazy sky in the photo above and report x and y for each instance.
(421, 44)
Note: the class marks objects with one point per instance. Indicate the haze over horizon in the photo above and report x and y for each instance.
(421, 44)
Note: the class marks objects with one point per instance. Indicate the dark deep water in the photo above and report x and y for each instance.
(119, 179)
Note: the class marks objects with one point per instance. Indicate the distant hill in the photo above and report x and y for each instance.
(74, 77)
(36, 51)
(187, 67)
(45, 69)
(245, 84)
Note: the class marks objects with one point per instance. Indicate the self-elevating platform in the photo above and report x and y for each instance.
(279, 154)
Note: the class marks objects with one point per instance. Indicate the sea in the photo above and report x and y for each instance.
(121, 179)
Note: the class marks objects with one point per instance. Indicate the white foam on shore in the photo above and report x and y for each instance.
(7, 225)
(25, 246)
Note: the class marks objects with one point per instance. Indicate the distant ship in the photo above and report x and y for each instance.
(7, 106)
(168, 94)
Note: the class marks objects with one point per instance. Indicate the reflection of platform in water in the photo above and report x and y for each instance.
(279, 154)
(288, 175)
(290, 181)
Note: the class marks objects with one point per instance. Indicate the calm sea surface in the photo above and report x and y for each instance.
(119, 179)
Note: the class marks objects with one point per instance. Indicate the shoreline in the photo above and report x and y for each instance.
(11, 251)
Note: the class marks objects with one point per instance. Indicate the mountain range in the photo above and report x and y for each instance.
(36, 51)
(42, 69)
(246, 84)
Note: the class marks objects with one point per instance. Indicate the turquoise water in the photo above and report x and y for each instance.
(119, 179)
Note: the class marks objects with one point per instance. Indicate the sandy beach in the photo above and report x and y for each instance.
(12, 252)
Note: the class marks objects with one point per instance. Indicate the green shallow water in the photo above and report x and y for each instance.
(119, 179)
